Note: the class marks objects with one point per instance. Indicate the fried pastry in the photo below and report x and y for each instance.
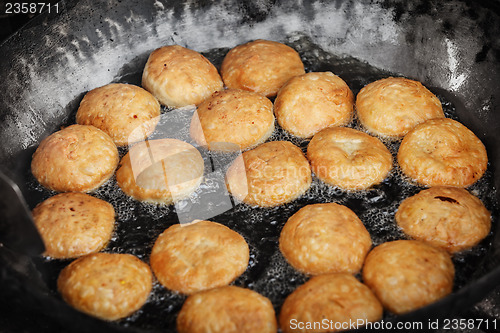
(178, 76)
(393, 106)
(127, 113)
(74, 224)
(270, 175)
(408, 274)
(348, 158)
(189, 258)
(108, 286)
(233, 119)
(160, 171)
(78, 158)
(325, 238)
(446, 217)
(333, 300)
(227, 309)
(308, 103)
(442, 152)
(261, 66)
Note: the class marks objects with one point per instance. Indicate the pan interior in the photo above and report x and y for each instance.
(139, 224)
(451, 46)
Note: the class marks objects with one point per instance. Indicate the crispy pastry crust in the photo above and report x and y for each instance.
(308, 103)
(261, 66)
(127, 113)
(227, 309)
(270, 175)
(79, 158)
(74, 224)
(109, 286)
(348, 158)
(198, 256)
(335, 297)
(325, 238)
(178, 77)
(161, 171)
(242, 118)
(446, 217)
(442, 152)
(408, 274)
(393, 106)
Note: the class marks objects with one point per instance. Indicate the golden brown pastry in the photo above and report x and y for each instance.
(79, 158)
(442, 152)
(161, 171)
(127, 113)
(325, 238)
(408, 274)
(446, 217)
(393, 106)
(308, 103)
(227, 309)
(348, 158)
(188, 258)
(109, 286)
(233, 119)
(270, 175)
(332, 301)
(261, 66)
(74, 224)
(177, 76)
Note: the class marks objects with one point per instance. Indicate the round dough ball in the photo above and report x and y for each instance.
(270, 175)
(161, 171)
(325, 238)
(308, 103)
(348, 158)
(227, 309)
(74, 224)
(393, 106)
(407, 274)
(442, 152)
(447, 217)
(178, 77)
(261, 66)
(188, 258)
(79, 158)
(338, 298)
(233, 119)
(127, 113)
(105, 285)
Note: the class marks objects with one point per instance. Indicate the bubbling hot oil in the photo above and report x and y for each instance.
(139, 224)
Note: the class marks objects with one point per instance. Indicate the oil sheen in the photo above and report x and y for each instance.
(139, 224)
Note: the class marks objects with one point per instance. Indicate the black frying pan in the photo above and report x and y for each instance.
(451, 46)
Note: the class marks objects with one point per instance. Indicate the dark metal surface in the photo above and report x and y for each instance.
(56, 58)
(17, 230)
